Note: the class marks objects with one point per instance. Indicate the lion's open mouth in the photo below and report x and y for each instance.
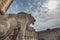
(31, 24)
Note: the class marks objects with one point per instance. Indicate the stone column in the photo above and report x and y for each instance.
(4, 5)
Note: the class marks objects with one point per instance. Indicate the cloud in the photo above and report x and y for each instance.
(45, 18)
(14, 8)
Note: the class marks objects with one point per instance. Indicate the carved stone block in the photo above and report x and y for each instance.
(4, 5)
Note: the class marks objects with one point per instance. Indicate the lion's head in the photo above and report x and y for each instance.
(30, 18)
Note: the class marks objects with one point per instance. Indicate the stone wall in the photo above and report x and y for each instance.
(49, 34)
(30, 34)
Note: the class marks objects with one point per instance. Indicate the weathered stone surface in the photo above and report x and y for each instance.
(15, 21)
(24, 20)
(30, 34)
(7, 26)
(49, 34)
(4, 5)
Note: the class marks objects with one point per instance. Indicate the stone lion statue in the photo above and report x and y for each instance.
(6, 26)
(23, 19)
(14, 21)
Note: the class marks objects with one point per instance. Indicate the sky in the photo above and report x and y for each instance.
(46, 12)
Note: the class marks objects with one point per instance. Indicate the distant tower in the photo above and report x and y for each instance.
(4, 5)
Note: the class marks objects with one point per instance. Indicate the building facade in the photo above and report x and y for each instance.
(50, 34)
(31, 34)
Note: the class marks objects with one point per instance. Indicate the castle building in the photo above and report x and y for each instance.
(31, 34)
(49, 34)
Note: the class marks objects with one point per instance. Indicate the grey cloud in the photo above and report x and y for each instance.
(44, 17)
